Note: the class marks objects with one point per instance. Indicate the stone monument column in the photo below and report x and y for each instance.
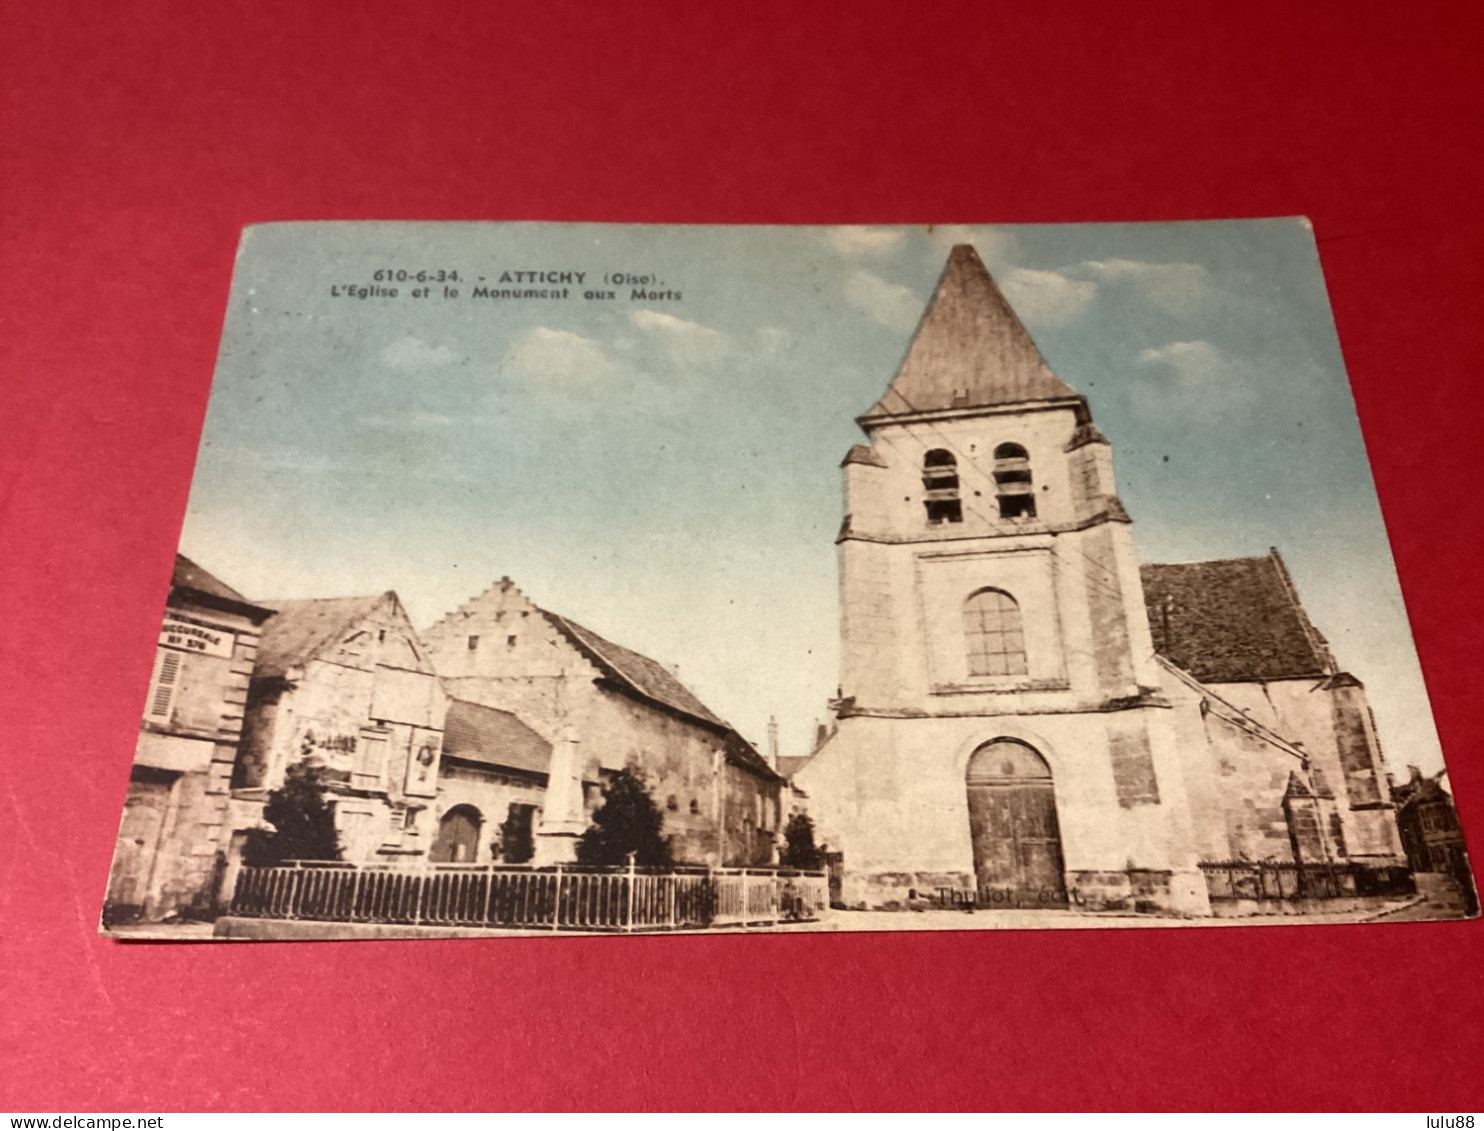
(563, 816)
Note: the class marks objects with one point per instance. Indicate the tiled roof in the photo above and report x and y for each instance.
(188, 575)
(652, 682)
(633, 672)
(969, 351)
(476, 733)
(1233, 621)
(299, 630)
(740, 752)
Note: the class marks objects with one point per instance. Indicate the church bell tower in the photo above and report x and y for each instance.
(1000, 727)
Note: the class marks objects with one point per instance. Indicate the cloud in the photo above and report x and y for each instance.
(544, 360)
(1176, 287)
(888, 303)
(859, 240)
(686, 345)
(1195, 364)
(1056, 298)
(414, 353)
(1196, 375)
(1047, 298)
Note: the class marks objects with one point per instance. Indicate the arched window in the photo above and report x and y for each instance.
(992, 634)
(1012, 482)
(940, 487)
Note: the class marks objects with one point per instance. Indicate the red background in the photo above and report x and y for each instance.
(136, 138)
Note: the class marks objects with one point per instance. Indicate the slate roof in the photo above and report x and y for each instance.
(635, 673)
(189, 582)
(1233, 621)
(188, 575)
(473, 732)
(970, 350)
(300, 630)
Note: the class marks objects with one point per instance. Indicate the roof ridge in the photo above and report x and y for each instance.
(593, 644)
(1316, 638)
(278, 650)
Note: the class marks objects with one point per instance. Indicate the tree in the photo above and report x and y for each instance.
(799, 850)
(627, 821)
(517, 846)
(303, 822)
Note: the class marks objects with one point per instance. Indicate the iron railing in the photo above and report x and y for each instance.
(552, 898)
(1287, 881)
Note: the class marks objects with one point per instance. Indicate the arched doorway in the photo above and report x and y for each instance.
(1013, 826)
(458, 836)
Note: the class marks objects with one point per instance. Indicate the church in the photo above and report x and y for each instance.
(1029, 716)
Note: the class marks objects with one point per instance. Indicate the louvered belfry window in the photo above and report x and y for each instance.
(1012, 482)
(993, 637)
(940, 487)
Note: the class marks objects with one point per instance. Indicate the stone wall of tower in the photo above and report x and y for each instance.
(890, 794)
(889, 789)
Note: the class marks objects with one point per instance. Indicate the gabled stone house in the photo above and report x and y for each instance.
(348, 684)
(602, 707)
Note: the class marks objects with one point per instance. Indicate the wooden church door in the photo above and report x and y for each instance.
(1013, 826)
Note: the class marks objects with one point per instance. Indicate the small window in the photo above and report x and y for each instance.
(1013, 485)
(162, 693)
(473, 643)
(993, 638)
(510, 642)
(695, 807)
(672, 803)
(409, 819)
(940, 487)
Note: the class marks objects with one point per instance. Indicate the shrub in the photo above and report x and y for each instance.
(303, 822)
(627, 821)
(799, 850)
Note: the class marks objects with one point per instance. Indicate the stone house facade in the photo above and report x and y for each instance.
(175, 833)
(1026, 713)
(602, 707)
(348, 684)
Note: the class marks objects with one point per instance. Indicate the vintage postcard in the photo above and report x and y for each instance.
(611, 578)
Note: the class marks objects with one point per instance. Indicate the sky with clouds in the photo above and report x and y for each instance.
(665, 470)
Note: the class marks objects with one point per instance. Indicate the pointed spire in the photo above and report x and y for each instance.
(970, 350)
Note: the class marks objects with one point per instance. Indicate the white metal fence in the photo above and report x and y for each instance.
(554, 898)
